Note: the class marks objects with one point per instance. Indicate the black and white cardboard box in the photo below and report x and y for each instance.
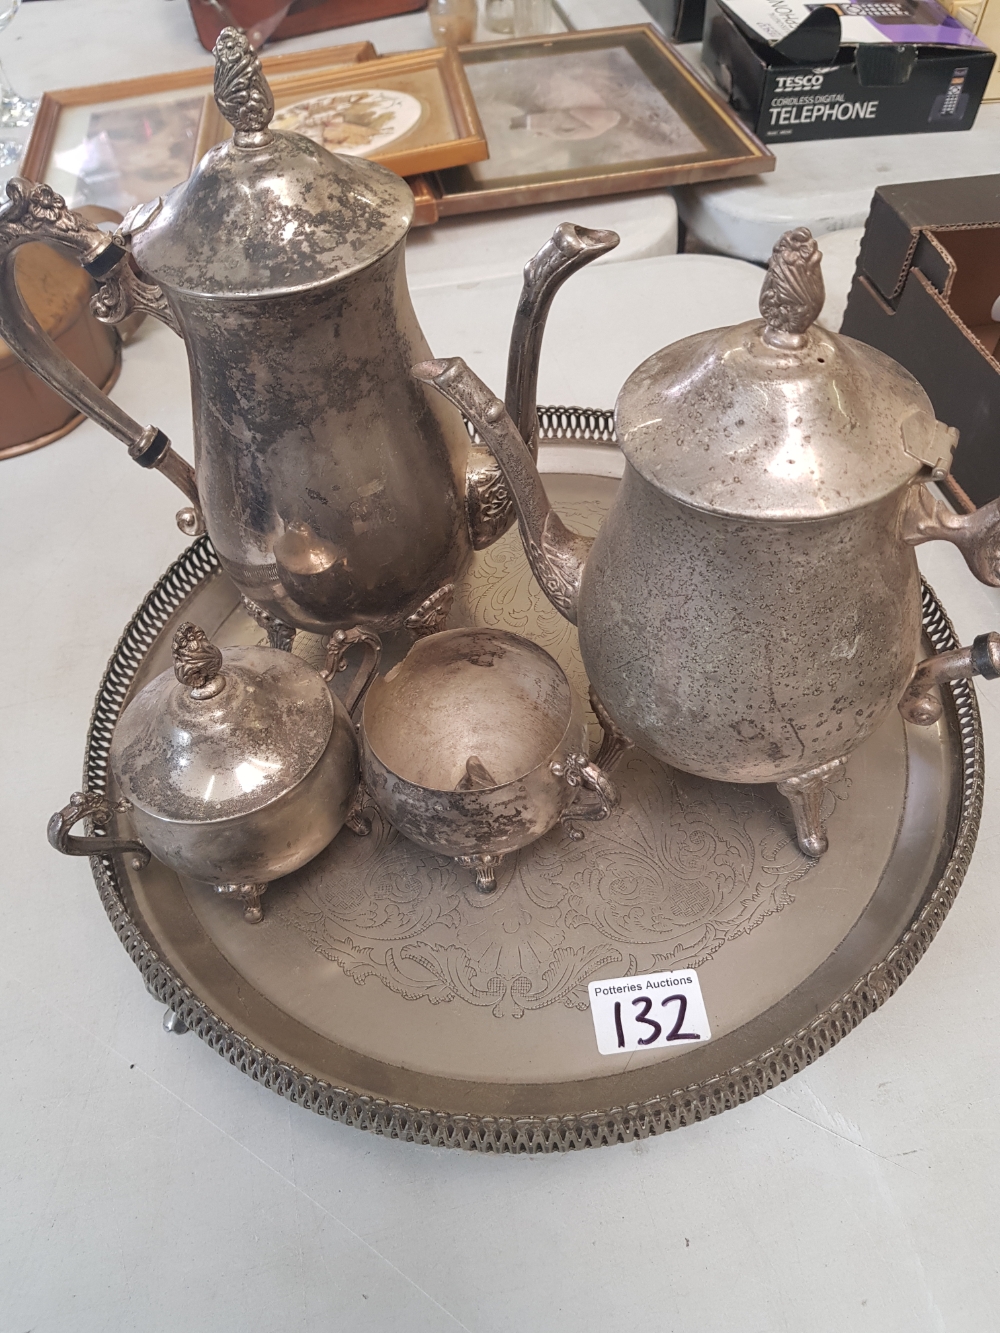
(796, 70)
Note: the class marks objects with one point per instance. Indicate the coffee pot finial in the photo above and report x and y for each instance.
(242, 93)
(793, 294)
(197, 662)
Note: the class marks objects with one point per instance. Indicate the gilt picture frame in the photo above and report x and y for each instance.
(412, 113)
(580, 114)
(113, 145)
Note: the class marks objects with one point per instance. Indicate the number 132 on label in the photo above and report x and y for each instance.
(648, 1013)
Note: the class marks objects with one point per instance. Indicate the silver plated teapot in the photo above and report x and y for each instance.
(236, 767)
(336, 490)
(750, 610)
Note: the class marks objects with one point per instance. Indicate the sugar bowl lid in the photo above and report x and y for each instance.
(224, 733)
(778, 418)
(266, 212)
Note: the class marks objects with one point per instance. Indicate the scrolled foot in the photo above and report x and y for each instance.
(431, 616)
(279, 635)
(173, 1022)
(615, 742)
(485, 866)
(249, 895)
(804, 794)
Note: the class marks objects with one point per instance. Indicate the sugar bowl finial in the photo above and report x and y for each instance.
(197, 662)
(242, 93)
(793, 294)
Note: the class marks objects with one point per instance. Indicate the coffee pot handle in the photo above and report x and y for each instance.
(921, 703)
(35, 212)
(336, 660)
(91, 805)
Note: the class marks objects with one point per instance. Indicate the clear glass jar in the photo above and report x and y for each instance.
(453, 22)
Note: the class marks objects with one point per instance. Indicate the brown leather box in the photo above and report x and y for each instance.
(927, 292)
(58, 293)
(302, 16)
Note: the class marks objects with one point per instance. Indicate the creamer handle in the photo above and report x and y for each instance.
(36, 213)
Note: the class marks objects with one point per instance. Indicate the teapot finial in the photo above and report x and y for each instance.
(792, 295)
(242, 93)
(197, 662)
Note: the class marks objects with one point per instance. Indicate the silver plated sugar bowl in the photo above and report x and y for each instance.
(475, 745)
(750, 610)
(236, 767)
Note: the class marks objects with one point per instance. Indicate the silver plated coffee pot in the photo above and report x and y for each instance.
(236, 767)
(750, 610)
(336, 490)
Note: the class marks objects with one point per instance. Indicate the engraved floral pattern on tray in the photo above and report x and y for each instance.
(681, 867)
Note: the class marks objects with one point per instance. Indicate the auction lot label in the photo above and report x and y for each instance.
(648, 1013)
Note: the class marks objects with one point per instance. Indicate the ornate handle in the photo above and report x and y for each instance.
(921, 703)
(580, 772)
(37, 213)
(925, 518)
(336, 660)
(97, 808)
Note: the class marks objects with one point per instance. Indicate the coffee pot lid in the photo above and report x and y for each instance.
(224, 733)
(777, 418)
(266, 212)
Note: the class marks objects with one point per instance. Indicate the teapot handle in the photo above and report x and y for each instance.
(925, 518)
(921, 702)
(36, 213)
(336, 660)
(90, 805)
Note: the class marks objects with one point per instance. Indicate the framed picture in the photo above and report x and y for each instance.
(114, 145)
(579, 114)
(412, 113)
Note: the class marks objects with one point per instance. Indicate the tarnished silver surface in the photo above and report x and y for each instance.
(750, 610)
(337, 491)
(472, 748)
(384, 991)
(236, 768)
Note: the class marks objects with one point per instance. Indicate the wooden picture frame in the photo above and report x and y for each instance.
(173, 108)
(446, 133)
(613, 68)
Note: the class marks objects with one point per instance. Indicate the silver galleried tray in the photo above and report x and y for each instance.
(382, 990)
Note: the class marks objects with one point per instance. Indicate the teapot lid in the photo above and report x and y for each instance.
(224, 733)
(778, 418)
(266, 212)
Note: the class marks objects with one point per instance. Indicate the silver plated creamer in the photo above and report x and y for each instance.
(750, 610)
(236, 767)
(336, 489)
(475, 745)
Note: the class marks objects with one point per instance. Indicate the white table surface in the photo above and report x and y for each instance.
(145, 1184)
(827, 185)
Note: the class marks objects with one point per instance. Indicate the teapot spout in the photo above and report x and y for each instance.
(557, 556)
(568, 249)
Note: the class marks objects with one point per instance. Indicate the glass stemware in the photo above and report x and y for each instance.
(15, 112)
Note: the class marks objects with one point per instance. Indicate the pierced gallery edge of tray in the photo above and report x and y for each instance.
(383, 991)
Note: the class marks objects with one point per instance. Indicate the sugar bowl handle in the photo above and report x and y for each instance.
(91, 805)
(336, 660)
(36, 213)
(921, 703)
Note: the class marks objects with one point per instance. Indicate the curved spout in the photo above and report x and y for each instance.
(569, 248)
(556, 555)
